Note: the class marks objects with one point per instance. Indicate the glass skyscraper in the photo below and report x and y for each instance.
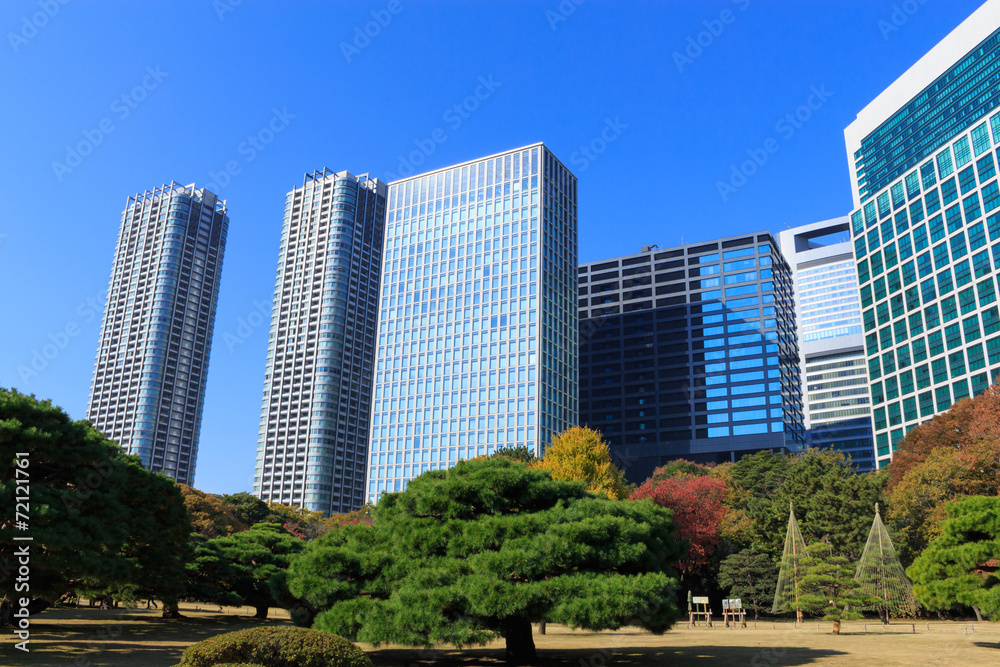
(837, 407)
(690, 352)
(923, 158)
(313, 443)
(477, 334)
(149, 380)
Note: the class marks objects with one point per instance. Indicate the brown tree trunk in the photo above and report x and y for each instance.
(541, 628)
(979, 616)
(520, 645)
(170, 611)
(261, 612)
(836, 627)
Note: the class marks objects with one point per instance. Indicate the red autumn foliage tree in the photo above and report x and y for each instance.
(697, 504)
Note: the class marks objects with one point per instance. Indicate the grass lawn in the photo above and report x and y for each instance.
(93, 638)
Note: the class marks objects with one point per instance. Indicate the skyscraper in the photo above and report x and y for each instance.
(476, 334)
(690, 352)
(925, 196)
(837, 407)
(313, 441)
(152, 358)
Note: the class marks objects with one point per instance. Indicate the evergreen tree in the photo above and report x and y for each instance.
(485, 549)
(751, 576)
(99, 521)
(829, 587)
(256, 555)
(960, 567)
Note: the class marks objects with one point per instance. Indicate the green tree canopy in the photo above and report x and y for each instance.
(485, 549)
(247, 508)
(959, 567)
(679, 468)
(829, 588)
(210, 576)
(832, 502)
(751, 576)
(255, 555)
(99, 521)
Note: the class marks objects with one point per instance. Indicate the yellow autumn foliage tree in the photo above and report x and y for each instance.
(580, 454)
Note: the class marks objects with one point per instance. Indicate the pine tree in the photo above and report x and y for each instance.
(483, 550)
(828, 587)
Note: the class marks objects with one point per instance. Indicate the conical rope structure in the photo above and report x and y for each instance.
(881, 575)
(786, 593)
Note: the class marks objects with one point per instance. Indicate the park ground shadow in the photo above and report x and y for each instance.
(646, 656)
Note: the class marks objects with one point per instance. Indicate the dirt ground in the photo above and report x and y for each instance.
(95, 638)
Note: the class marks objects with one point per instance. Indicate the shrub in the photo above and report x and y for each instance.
(275, 647)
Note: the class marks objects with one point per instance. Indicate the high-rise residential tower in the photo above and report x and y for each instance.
(923, 159)
(477, 332)
(152, 358)
(837, 407)
(313, 441)
(690, 352)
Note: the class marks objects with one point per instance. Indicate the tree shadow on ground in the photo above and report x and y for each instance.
(120, 638)
(646, 656)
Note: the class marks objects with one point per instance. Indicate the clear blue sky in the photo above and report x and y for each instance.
(210, 75)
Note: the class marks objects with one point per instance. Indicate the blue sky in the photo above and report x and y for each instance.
(105, 99)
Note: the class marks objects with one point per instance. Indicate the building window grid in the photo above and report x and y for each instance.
(965, 225)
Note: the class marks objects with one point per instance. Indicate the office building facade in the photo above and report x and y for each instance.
(148, 389)
(476, 329)
(836, 403)
(923, 159)
(313, 441)
(690, 352)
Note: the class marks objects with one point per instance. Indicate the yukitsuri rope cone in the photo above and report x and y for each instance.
(786, 593)
(881, 575)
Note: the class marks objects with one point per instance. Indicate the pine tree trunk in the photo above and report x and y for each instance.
(836, 627)
(541, 628)
(979, 616)
(170, 611)
(261, 612)
(520, 645)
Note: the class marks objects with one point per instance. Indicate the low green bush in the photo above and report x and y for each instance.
(275, 647)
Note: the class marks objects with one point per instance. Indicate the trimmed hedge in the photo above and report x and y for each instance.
(275, 647)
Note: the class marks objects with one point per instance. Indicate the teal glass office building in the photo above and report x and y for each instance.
(926, 228)
(477, 327)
